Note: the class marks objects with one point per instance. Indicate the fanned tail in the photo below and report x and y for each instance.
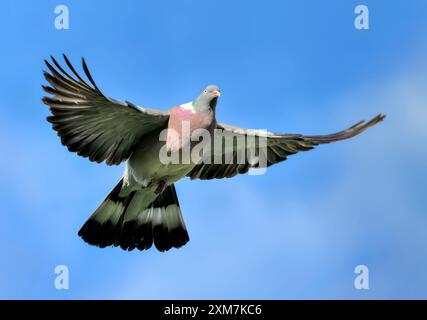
(137, 221)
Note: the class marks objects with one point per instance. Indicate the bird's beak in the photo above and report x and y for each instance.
(217, 93)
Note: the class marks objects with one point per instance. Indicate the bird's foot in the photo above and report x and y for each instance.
(160, 187)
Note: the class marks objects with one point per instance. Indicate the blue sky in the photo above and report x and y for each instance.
(291, 66)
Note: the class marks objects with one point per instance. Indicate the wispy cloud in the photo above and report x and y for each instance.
(369, 214)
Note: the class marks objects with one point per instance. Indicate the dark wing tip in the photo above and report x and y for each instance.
(46, 75)
(362, 125)
(351, 132)
(67, 61)
(73, 70)
(46, 101)
(379, 118)
(46, 62)
(88, 75)
(47, 89)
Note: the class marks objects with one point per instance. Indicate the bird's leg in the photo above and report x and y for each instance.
(160, 187)
(148, 183)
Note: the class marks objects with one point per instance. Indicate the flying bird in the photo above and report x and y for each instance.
(143, 207)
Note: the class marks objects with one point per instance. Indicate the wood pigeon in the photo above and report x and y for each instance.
(143, 207)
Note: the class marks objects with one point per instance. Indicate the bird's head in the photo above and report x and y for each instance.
(208, 98)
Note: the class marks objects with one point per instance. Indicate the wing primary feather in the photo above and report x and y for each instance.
(89, 76)
(57, 83)
(60, 77)
(75, 72)
(62, 93)
(68, 75)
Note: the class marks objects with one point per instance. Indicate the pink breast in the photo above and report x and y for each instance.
(181, 113)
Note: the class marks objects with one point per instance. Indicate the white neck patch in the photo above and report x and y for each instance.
(188, 106)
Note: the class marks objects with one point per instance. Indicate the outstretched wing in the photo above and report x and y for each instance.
(262, 149)
(91, 124)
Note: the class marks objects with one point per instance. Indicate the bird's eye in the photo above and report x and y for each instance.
(206, 91)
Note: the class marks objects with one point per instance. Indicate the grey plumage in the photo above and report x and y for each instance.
(91, 124)
(279, 147)
(143, 208)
